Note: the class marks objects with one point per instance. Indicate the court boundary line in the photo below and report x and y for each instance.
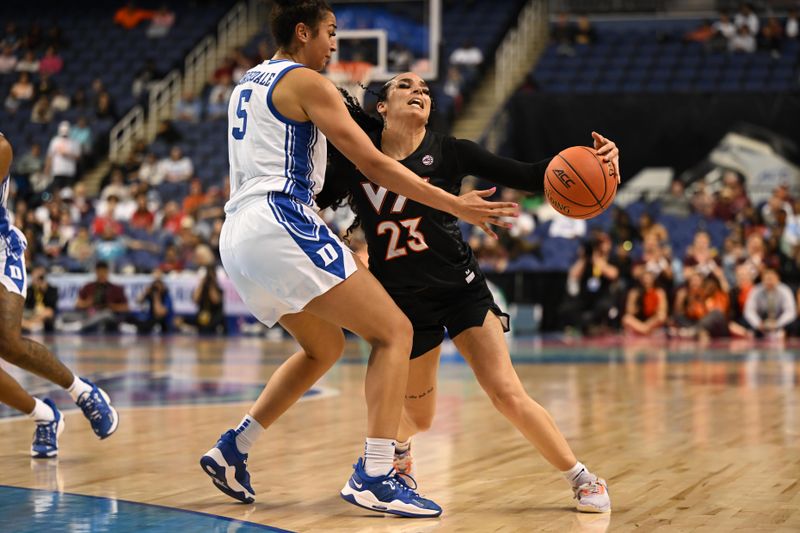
(178, 509)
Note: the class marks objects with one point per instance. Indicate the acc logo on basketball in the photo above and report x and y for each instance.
(563, 177)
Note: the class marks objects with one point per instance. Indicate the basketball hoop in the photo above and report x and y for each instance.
(352, 76)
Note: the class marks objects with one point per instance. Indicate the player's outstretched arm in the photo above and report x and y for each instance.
(323, 105)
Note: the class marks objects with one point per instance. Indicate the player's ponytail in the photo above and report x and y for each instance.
(287, 14)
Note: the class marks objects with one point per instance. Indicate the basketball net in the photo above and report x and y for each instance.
(352, 76)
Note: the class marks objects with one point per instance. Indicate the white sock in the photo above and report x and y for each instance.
(402, 447)
(78, 387)
(42, 412)
(247, 433)
(578, 475)
(378, 456)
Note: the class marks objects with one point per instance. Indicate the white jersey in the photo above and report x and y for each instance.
(267, 151)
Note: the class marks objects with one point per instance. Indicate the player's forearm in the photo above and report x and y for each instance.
(398, 179)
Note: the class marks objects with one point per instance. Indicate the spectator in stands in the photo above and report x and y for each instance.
(159, 311)
(111, 247)
(563, 35)
(11, 37)
(209, 212)
(34, 37)
(177, 168)
(675, 203)
(732, 256)
(82, 203)
(25, 167)
(648, 225)
(195, 198)
(145, 78)
(41, 303)
(703, 259)
(584, 31)
(243, 64)
(8, 60)
(79, 102)
(757, 257)
(172, 261)
(731, 198)
(172, 217)
(22, 91)
(592, 301)
(101, 305)
(116, 187)
(62, 158)
(162, 21)
(737, 326)
(28, 63)
(51, 63)
(743, 41)
(780, 200)
(142, 218)
(790, 239)
(106, 218)
(208, 296)
(81, 133)
(167, 133)
(150, 171)
(646, 307)
(622, 228)
(466, 57)
(188, 108)
(655, 260)
(747, 18)
(701, 34)
(452, 88)
(219, 96)
(60, 101)
(772, 36)
(129, 16)
(770, 307)
(104, 110)
(792, 29)
(80, 250)
(42, 112)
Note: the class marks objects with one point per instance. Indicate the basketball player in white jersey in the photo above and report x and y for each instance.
(288, 267)
(31, 355)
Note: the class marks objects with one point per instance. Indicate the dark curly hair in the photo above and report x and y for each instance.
(287, 14)
(335, 193)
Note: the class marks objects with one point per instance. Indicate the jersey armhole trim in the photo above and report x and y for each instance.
(271, 105)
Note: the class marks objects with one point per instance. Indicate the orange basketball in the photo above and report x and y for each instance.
(578, 184)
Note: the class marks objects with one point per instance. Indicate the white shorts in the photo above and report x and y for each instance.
(280, 255)
(12, 263)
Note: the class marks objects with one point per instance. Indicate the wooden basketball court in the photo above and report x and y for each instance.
(690, 439)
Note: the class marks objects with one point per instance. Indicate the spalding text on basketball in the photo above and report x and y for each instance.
(555, 203)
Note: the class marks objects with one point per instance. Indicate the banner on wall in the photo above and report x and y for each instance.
(181, 286)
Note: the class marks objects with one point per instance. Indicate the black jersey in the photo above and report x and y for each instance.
(413, 246)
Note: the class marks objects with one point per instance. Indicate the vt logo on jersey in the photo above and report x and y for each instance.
(416, 240)
(377, 195)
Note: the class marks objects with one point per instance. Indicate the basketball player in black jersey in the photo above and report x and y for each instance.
(419, 256)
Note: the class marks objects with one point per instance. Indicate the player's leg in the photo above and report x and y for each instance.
(321, 346)
(37, 359)
(485, 350)
(361, 305)
(419, 406)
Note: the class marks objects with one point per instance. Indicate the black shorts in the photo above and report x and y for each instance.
(432, 310)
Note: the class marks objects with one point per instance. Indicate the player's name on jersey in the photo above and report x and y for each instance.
(259, 77)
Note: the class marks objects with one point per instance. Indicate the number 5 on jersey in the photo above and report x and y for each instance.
(241, 112)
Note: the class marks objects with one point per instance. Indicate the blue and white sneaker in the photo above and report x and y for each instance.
(227, 467)
(45, 438)
(96, 407)
(387, 494)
